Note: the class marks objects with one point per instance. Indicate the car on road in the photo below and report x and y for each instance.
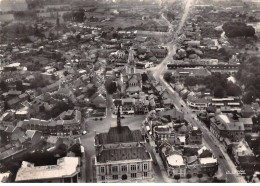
(84, 132)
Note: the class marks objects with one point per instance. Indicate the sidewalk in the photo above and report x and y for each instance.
(165, 177)
(230, 162)
(83, 169)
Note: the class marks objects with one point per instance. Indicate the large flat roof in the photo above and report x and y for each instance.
(66, 167)
(175, 160)
(208, 160)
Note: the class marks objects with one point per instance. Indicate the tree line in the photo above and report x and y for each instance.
(238, 29)
(249, 76)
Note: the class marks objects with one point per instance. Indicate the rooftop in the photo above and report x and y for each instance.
(242, 149)
(120, 134)
(66, 167)
(207, 160)
(123, 152)
(175, 160)
(224, 122)
(193, 71)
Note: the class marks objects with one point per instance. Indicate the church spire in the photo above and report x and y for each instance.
(118, 117)
(131, 61)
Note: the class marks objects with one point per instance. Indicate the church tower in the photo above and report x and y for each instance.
(131, 62)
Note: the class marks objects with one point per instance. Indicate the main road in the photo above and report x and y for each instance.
(225, 164)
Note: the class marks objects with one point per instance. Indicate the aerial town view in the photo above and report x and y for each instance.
(130, 91)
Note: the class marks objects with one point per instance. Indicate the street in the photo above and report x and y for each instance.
(224, 164)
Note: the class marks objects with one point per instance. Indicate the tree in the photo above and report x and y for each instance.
(79, 16)
(111, 86)
(91, 91)
(3, 85)
(249, 97)
(238, 29)
(6, 106)
(190, 81)
(144, 77)
(39, 82)
(167, 76)
(104, 34)
(177, 177)
(41, 108)
(200, 175)
(188, 176)
(59, 108)
(76, 149)
(78, 37)
(219, 92)
(233, 89)
(65, 73)
(115, 35)
(19, 85)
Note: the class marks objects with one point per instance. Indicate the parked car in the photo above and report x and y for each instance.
(84, 132)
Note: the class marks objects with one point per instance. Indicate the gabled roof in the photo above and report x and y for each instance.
(119, 135)
(123, 153)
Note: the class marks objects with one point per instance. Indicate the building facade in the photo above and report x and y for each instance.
(121, 155)
(222, 126)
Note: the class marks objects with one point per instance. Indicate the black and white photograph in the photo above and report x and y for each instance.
(129, 91)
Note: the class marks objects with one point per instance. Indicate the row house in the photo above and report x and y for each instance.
(161, 133)
(194, 136)
(181, 74)
(233, 102)
(60, 127)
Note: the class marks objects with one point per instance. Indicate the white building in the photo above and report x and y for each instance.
(66, 171)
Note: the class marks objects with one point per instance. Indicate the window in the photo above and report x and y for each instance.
(145, 174)
(145, 167)
(102, 177)
(124, 168)
(115, 177)
(133, 167)
(133, 175)
(102, 169)
(114, 169)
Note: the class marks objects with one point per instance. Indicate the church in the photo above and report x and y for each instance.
(121, 155)
(130, 81)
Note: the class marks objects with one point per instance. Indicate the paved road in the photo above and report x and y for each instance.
(224, 164)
